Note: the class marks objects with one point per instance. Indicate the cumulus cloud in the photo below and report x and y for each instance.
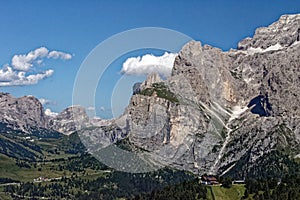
(45, 101)
(148, 64)
(49, 113)
(9, 77)
(59, 55)
(17, 73)
(7, 74)
(24, 62)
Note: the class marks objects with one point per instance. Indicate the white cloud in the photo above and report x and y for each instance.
(7, 74)
(17, 73)
(9, 77)
(59, 55)
(49, 113)
(45, 101)
(148, 64)
(24, 62)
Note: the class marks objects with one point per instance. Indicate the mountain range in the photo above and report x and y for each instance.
(230, 112)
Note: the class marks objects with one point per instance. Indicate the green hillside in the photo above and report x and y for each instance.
(67, 171)
(235, 192)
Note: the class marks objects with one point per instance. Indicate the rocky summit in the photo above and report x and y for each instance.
(22, 113)
(221, 112)
(27, 114)
(69, 120)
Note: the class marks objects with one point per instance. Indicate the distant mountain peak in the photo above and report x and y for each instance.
(219, 112)
(69, 120)
(283, 33)
(22, 113)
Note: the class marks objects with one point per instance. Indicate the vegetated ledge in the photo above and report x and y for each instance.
(126, 145)
(160, 90)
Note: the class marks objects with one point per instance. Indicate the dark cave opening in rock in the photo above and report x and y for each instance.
(261, 105)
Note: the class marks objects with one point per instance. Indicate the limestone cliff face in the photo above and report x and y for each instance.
(206, 69)
(27, 113)
(22, 113)
(69, 120)
(219, 108)
(282, 33)
(220, 112)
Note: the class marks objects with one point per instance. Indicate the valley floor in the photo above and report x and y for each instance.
(220, 193)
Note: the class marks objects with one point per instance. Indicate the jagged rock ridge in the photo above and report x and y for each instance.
(217, 113)
(27, 114)
(219, 108)
(69, 120)
(22, 113)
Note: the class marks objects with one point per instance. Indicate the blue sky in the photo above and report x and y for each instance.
(77, 27)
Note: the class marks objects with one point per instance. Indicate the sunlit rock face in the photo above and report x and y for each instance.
(69, 120)
(22, 113)
(219, 112)
(228, 105)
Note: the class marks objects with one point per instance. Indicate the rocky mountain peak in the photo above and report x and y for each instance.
(280, 34)
(200, 65)
(151, 78)
(27, 113)
(192, 48)
(22, 113)
(220, 112)
(220, 108)
(69, 120)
